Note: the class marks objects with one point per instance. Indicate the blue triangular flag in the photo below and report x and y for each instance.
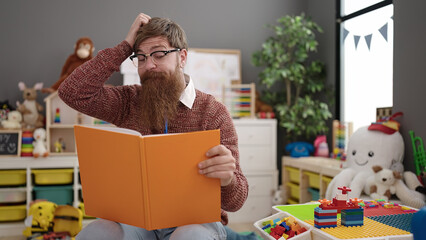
(345, 34)
(356, 38)
(368, 40)
(384, 31)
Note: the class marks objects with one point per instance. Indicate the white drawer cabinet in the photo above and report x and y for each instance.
(257, 143)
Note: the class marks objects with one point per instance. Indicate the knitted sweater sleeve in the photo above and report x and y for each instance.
(84, 89)
(235, 194)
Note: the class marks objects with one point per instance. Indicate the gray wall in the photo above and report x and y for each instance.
(410, 71)
(38, 36)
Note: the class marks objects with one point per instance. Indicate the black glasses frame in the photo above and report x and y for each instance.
(150, 55)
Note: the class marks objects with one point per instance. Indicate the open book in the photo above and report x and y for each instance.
(147, 181)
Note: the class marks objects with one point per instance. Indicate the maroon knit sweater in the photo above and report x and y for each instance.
(84, 91)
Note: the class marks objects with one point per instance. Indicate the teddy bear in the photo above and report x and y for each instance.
(40, 147)
(14, 119)
(381, 184)
(30, 108)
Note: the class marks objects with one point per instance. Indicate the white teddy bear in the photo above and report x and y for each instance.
(14, 119)
(382, 184)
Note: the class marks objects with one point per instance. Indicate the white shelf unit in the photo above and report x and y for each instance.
(28, 164)
(257, 143)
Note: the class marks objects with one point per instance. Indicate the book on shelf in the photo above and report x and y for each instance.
(148, 181)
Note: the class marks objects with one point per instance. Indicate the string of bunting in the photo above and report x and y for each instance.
(368, 37)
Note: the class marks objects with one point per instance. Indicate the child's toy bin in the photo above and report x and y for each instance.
(13, 177)
(13, 213)
(53, 176)
(314, 194)
(292, 201)
(13, 195)
(326, 181)
(314, 179)
(303, 236)
(294, 190)
(293, 174)
(61, 195)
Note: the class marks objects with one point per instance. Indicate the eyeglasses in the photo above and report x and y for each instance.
(157, 57)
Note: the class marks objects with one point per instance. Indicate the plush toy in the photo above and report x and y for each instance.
(14, 119)
(67, 219)
(30, 108)
(321, 146)
(368, 147)
(40, 217)
(40, 147)
(83, 50)
(381, 184)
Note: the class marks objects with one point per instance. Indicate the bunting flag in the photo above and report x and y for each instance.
(368, 40)
(368, 37)
(345, 34)
(384, 31)
(356, 39)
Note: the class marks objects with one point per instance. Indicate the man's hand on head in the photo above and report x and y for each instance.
(140, 20)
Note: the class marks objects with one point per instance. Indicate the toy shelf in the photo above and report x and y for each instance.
(15, 228)
(301, 177)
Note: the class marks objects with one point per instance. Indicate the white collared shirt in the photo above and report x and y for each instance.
(188, 95)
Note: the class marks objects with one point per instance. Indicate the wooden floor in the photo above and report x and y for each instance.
(237, 227)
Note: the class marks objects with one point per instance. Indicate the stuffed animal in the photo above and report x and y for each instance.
(40, 147)
(14, 119)
(30, 108)
(40, 217)
(67, 219)
(83, 50)
(381, 184)
(367, 147)
(321, 146)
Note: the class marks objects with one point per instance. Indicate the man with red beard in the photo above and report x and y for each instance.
(166, 101)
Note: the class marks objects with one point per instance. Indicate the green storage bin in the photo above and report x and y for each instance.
(61, 195)
(314, 193)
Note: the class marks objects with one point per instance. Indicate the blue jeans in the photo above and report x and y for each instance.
(104, 229)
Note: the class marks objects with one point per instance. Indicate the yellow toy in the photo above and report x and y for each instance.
(40, 218)
(68, 219)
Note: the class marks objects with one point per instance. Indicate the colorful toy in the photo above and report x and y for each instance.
(67, 219)
(5, 108)
(285, 228)
(57, 116)
(30, 108)
(321, 146)
(300, 149)
(27, 144)
(40, 147)
(381, 184)
(419, 155)
(40, 217)
(14, 119)
(366, 148)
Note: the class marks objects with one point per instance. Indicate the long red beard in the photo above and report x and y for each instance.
(160, 97)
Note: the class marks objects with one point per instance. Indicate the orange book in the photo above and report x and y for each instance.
(149, 181)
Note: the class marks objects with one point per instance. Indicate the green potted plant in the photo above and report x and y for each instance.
(294, 84)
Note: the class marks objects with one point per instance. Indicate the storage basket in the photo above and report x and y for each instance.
(13, 177)
(326, 181)
(53, 176)
(13, 195)
(294, 190)
(61, 195)
(13, 213)
(314, 179)
(293, 174)
(303, 236)
(314, 194)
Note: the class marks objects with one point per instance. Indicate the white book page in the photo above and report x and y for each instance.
(117, 129)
